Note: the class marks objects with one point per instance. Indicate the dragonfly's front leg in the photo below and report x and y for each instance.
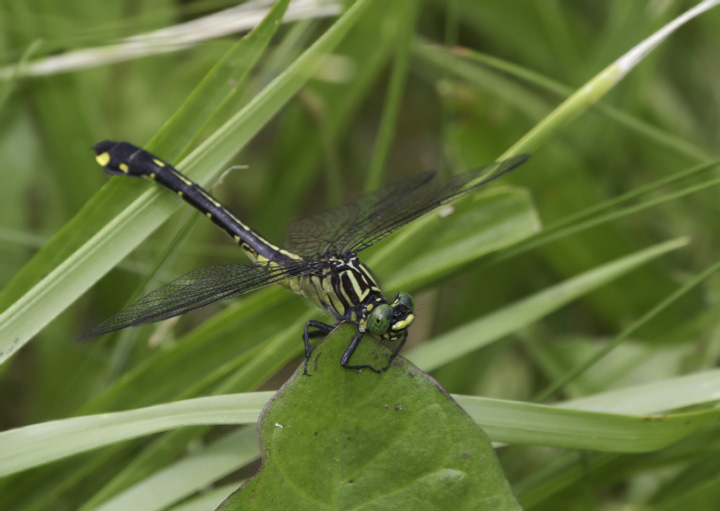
(349, 353)
(353, 346)
(321, 329)
(396, 352)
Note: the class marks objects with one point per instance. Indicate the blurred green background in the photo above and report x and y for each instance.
(454, 114)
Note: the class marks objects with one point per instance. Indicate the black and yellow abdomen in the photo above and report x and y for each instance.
(338, 285)
(122, 158)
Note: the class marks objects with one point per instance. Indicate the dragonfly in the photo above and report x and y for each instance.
(320, 259)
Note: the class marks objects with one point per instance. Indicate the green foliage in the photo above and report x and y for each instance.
(611, 305)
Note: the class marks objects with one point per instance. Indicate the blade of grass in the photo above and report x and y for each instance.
(493, 327)
(635, 326)
(393, 101)
(218, 86)
(654, 397)
(601, 84)
(566, 227)
(521, 423)
(169, 39)
(190, 475)
(447, 58)
(505, 421)
(41, 443)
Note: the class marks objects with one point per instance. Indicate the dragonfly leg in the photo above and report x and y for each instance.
(353, 346)
(320, 330)
(396, 352)
(349, 353)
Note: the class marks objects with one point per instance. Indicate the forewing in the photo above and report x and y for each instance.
(401, 210)
(197, 289)
(331, 231)
(372, 217)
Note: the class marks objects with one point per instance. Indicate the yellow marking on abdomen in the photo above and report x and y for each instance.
(251, 253)
(289, 254)
(236, 220)
(180, 176)
(209, 198)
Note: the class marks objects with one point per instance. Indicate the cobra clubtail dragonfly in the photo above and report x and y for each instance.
(320, 259)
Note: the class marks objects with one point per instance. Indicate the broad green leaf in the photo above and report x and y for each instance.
(343, 439)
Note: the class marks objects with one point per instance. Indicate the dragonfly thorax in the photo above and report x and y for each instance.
(341, 286)
(346, 288)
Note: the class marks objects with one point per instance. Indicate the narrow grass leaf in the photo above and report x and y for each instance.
(654, 397)
(631, 329)
(191, 474)
(601, 84)
(493, 327)
(568, 424)
(525, 423)
(393, 100)
(35, 445)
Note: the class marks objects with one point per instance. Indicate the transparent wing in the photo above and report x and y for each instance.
(197, 289)
(372, 217)
(328, 232)
(399, 211)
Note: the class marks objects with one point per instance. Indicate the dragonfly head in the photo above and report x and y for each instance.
(391, 320)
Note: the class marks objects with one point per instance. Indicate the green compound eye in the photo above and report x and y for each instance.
(378, 321)
(406, 300)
